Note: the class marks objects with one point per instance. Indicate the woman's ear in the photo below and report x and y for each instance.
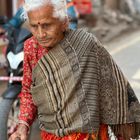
(65, 24)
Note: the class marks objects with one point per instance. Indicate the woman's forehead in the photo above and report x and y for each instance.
(42, 12)
(40, 16)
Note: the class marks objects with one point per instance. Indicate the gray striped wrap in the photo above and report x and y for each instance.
(77, 85)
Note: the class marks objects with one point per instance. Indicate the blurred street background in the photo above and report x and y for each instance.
(116, 23)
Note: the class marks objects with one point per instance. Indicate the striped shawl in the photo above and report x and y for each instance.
(77, 86)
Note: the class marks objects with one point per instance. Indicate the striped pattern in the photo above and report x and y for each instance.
(59, 82)
(121, 85)
(115, 106)
(77, 85)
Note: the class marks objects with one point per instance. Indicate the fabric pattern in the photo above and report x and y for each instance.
(76, 136)
(115, 93)
(60, 96)
(80, 86)
(101, 135)
(32, 54)
(109, 82)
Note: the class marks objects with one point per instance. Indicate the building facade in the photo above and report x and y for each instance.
(8, 7)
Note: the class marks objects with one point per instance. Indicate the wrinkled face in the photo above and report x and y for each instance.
(47, 29)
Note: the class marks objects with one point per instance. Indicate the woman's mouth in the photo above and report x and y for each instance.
(44, 40)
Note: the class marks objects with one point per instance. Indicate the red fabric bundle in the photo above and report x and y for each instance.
(75, 136)
(103, 135)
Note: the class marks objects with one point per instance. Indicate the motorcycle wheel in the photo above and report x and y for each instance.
(8, 116)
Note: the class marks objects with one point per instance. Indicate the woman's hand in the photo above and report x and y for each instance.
(21, 133)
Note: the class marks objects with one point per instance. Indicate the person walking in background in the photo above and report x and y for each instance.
(71, 83)
(84, 7)
(72, 14)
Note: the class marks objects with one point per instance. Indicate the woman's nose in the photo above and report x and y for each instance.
(41, 33)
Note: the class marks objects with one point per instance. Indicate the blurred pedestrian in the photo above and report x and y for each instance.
(71, 83)
(84, 7)
(72, 14)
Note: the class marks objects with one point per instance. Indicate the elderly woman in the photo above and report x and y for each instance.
(71, 83)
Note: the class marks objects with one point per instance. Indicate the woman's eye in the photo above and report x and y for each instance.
(33, 26)
(46, 25)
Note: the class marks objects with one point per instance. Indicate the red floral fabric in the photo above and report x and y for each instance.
(76, 136)
(102, 135)
(32, 53)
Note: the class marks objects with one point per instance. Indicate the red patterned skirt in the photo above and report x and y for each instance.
(78, 136)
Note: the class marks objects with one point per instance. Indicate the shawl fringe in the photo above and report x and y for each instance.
(127, 131)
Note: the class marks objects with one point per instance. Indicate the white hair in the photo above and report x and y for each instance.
(60, 9)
